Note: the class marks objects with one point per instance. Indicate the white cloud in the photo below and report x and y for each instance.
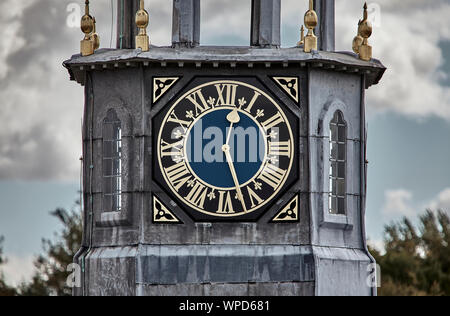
(40, 132)
(10, 13)
(221, 19)
(18, 269)
(40, 109)
(398, 203)
(407, 42)
(441, 202)
(377, 244)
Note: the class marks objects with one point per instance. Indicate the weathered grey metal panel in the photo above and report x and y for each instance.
(266, 23)
(326, 27)
(224, 56)
(224, 264)
(244, 289)
(186, 23)
(329, 92)
(342, 272)
(111, 272)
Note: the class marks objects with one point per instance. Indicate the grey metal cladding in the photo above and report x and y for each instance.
(224, 264)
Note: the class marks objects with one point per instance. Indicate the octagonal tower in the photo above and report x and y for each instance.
(290, 222)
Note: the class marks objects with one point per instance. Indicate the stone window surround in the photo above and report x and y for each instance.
(124, 217)
(112, 163)
(328, 219)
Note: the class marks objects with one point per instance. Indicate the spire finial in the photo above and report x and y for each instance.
(357, 40)
(87, 22)
(311, 21)
(95, 36)
(365, 31)
(302, 36)
(142, 19)
(91, 40)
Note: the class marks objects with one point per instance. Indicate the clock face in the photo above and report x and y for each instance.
(225, 149)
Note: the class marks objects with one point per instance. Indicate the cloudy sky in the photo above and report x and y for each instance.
(40, 109)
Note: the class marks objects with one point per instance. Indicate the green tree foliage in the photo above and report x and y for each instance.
(417, 261)
(51, 275)
(5, 290)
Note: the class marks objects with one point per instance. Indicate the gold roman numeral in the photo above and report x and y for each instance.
(253, 196)
(195, 98)
(280, 149)
(272, 175)
(226, 94)
(178, 175)
(175, 149)
(225, 203)
(273, 121)
(252, 102)
(174, 119)
(197, 196)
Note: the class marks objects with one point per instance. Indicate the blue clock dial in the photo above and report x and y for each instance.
(206, 157)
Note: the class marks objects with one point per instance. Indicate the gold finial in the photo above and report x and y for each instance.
(357, 40)
(142, 19)
(91, 40)
(365, 31)
(311, 21)
(365, 15)
(302, 36)
(95, 36)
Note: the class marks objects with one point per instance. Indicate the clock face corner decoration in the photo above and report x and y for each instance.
(290, 85)
(289, 213)
(225, 149)
(161, 85)
(162, 215)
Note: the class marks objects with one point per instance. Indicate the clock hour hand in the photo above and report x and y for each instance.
(233, 118)
(226, 150)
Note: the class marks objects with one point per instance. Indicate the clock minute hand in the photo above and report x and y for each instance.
(233, 118)
(226, 150)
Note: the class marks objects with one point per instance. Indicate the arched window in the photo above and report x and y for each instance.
(112, 163)
(338, 161)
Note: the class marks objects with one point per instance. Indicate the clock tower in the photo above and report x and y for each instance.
(224, 170)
